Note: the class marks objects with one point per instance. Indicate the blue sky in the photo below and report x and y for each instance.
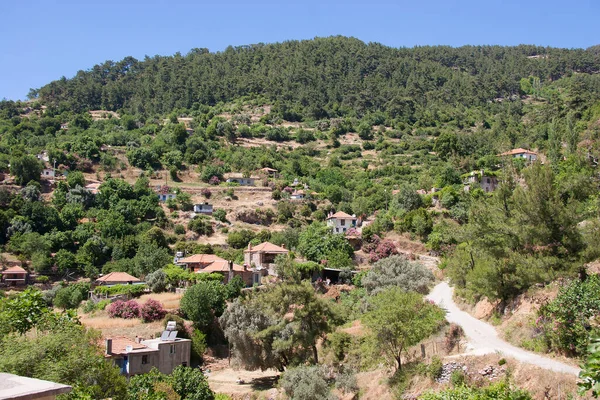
(43, 40)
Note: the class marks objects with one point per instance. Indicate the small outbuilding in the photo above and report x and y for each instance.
(15, 276)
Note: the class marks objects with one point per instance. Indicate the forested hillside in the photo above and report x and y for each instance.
(483, 156)
(329, 77)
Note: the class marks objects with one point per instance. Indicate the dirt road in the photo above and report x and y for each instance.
(483, 338)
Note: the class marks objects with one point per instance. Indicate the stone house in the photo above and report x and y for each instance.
(487, 181)
(261, 259)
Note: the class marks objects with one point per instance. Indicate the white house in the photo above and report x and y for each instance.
(166, 196)
(241, 179)
(298, 195)
(486, 181)
(520, 153)
(203, 208)
(43, 156)
(48, 173)
(340, 222)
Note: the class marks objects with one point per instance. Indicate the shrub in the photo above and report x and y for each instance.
(152, 310)
(305, 383)
(157, 281)
(124, 309)
(397, 271)
(71, 296)
(220, 215)
(179, 229)
(198, 343)
(455, 332)
(346, 382)
(214, 180)
(206, 192)
(457, 378)
(201, 225)
(42, 279)
(130, 290)
(434, 369)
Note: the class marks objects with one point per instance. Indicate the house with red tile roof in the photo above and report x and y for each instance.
(520, 153)
(117, 278)
(15, 276)
(340, 222)
(261, 259)
(210, 263)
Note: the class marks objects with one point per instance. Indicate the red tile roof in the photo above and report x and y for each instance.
(266, 247)
(118, 277)
(221, 266)
(517, 151)
(201, 259)
(341, 214)
(14, 270)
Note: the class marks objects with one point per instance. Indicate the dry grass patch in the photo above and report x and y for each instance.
(170, 301)
(121, 327)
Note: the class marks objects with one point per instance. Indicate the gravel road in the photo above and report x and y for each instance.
(483, 338)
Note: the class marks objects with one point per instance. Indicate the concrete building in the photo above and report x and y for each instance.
(298, 195)
(340, 222)
(48, 173)
(163, 197)
(15, 387)
(241, 179)
(205, 208)
(486, 181)
(140, 356)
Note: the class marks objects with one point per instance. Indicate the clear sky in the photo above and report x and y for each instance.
(43, 40)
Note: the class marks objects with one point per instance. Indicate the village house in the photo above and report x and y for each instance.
(340, 222)
(43, 156)
(204, 208)
(210, 263)
(529, 156)
(298, 195)
(64, 126)
(241, 179)
(48, 173)
(140, 356)
(261, 259)
(270, 172)
(163, 197)
(486, 180)
(15, 387)
(15, 276)
(93, 187)
(117, 278)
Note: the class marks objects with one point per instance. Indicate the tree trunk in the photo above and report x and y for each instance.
(315, 354)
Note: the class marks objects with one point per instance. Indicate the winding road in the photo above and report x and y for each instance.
(483, 338)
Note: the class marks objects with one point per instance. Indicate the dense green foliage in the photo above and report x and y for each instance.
(498, 391)
(277, 327)
(569, 320)
(400, 319)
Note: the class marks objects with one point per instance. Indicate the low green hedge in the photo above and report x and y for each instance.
(131, 290)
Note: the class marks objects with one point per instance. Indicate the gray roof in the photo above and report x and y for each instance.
(20, 387)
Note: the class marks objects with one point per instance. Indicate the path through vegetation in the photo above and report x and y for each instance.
(483, 338)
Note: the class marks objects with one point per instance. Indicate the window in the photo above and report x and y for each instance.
(172, 349)
(144, 359)
(184, 364)
(342, 222)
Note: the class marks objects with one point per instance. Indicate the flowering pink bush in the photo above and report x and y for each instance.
(288, 189)
(206, 192)
(379, 248)
(214, 180)
(124, 309)
(152, 310)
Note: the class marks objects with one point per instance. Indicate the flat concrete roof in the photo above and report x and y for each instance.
(20, 387)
